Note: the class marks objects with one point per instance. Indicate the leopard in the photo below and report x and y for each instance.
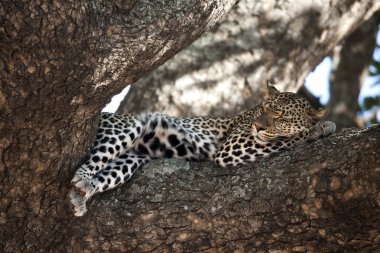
(124, 143)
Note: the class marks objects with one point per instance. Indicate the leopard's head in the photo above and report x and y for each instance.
(284, 114)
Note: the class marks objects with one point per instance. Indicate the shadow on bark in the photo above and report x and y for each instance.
(231, 61)
(238, 61)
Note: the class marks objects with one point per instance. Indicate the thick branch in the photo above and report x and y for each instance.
(221, 73)
(320, 197)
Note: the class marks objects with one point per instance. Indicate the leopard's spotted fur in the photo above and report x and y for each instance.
(125, 142)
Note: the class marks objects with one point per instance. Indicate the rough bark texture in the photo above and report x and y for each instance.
(301, 200)
(61, 61)
(221, 72)
(351, 61)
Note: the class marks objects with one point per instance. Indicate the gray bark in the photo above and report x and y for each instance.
(221, 73)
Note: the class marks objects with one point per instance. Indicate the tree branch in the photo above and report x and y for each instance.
(256, 40)
(319, 197)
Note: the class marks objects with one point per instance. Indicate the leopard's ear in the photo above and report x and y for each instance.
(318, 114)
(269, 90)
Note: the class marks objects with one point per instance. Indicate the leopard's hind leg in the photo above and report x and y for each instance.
(116, 134)
(114, 174)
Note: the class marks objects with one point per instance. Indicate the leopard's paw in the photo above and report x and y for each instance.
(79, 194)
(79, 202)
(328, 128)
(322, 129)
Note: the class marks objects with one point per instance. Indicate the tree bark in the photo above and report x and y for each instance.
(302, 200)
(60, 62)
(221, 73)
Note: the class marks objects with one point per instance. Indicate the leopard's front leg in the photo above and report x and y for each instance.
(320, 130)
(241, 146)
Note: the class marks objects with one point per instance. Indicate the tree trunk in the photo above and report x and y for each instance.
(350, 69)
(60, 62)
(221, 73)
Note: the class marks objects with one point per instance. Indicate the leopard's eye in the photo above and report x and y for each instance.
(273, 110)
(275, 114)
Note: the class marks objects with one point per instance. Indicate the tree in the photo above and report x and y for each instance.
(351, 61)
(60, 63)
